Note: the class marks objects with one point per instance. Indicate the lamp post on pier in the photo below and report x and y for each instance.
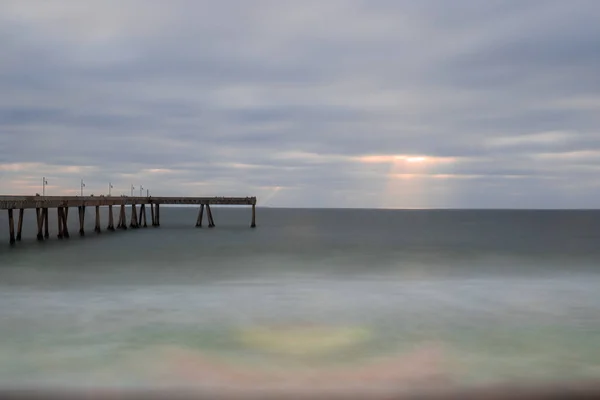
(132, 189)
(110, 186)
(44, 183)
(82, 186)
(141, 190)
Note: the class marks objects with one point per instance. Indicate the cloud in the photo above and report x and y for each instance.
(318, 99)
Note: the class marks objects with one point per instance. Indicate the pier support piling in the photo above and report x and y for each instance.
(97, 225)
(152, 214)
(120, 221)
(59, 219)
(42, 205)
(122, 218)
(11, 226)
(143, 215)
(20, 224)
(211, 221)
(134, 220)
(65, 227)
(111, 221)
(200, 214)
(40, 223)
(81, 220)
(46, 232)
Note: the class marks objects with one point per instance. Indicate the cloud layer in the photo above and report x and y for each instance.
(372, 103)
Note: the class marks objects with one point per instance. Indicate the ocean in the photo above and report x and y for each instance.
(309, 297)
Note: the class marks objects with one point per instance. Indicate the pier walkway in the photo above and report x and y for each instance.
(41, 204)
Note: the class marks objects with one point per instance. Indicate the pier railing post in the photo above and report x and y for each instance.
(20, 225)
(11, 226)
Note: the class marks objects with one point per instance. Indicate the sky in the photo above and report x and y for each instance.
(369, 104)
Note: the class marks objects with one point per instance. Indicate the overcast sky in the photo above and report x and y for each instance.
(305, 103)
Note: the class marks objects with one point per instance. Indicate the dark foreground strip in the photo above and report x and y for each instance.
(575, 391)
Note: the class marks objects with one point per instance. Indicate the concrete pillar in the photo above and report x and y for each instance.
(253, 224)
(143, 215)
(157, 214)
(97, 227)
(120, 222)
(122, 218)
(152, 214)
(46, 233)
(134, 221)
(11, 226)
(124, 212)
(200, 214)
(81, 220)
(20, 225)
(111, 221)
(40, 223)
(59, 220)
(211, 221)
(65, 227)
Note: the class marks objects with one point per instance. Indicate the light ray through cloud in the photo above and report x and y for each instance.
(266, 200)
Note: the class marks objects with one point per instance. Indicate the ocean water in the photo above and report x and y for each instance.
(309, 297)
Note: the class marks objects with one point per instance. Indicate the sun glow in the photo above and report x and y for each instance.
(403, 158)
(415, 159)
(272, 193)
(406, 177)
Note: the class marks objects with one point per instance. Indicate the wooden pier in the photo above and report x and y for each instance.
(62, 204)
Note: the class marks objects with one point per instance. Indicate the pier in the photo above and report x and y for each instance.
(137, 217)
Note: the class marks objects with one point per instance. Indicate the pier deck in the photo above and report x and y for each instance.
(17, 202)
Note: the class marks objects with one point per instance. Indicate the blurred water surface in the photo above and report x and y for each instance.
(308, 296)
